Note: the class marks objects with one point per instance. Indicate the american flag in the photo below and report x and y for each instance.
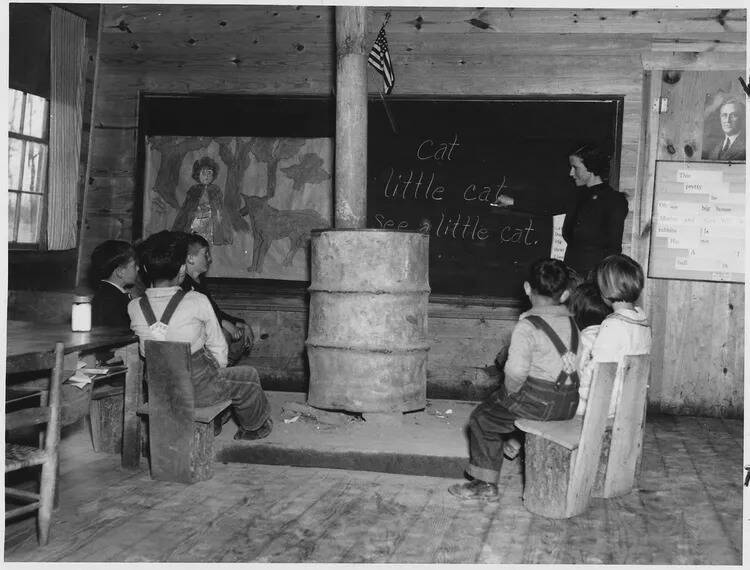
(380, 59)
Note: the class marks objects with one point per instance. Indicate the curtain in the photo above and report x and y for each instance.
(67, 66)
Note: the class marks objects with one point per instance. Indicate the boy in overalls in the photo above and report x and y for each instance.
(541, 381)
(166, 312)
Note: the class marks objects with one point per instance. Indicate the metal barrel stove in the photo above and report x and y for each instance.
(367, 335)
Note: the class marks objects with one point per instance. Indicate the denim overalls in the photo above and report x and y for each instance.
(493, 420)
(205, 370)
(542, 400)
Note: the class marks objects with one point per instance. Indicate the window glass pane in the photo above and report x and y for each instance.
(12, 205)
(28, 221)
(34, 168)
(15, 110)
(15, 148)
(35, 120)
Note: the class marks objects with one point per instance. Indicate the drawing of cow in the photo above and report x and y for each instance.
(269, 224)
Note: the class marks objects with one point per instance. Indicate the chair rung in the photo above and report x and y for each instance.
(26, 418)
(21, 494)
(31, 507)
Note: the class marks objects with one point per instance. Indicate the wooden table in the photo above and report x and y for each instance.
(31, 345)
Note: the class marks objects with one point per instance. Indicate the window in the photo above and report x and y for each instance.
(28, 144)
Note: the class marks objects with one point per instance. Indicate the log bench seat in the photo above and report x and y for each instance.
(181, 435)
(566, 463)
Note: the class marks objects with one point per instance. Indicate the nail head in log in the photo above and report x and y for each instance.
(367, 335)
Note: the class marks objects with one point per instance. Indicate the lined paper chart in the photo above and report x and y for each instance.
(698, 221)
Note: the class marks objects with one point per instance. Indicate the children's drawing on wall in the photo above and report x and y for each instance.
(254, 199)
(724, 127)
(202, 211)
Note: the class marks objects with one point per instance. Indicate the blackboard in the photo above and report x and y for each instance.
(698, 221)
(437, 164)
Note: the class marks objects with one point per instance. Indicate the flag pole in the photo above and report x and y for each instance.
(388, 112)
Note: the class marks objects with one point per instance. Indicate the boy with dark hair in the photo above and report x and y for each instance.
(237, 332)
(589, 310)
(541, 380)
(167, 312)
(114, 267)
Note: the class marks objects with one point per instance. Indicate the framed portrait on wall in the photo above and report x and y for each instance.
(255, 197)
(724, 127)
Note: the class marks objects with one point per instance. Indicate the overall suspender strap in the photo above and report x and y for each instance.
(148, 311)
(545, 327)
(171, 306)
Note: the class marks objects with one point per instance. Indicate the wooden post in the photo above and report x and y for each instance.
(351, 118)
(131, 431)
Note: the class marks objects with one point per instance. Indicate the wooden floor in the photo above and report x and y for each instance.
(687, 510)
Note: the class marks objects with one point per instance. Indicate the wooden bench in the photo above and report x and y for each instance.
(568, 462)
(623, 439)
(106, 413)
(181, 436)
(562, 456)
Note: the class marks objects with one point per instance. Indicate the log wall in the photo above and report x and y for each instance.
(436, 51)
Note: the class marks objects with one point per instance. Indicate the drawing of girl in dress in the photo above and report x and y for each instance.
(202, 210)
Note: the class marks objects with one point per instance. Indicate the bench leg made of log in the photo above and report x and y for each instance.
(184, 463)
(202, 454)
(105, 422)
(548, 474)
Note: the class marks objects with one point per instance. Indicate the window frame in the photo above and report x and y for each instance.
(44, 141)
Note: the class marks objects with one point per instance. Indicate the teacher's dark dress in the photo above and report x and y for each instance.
(593, 227)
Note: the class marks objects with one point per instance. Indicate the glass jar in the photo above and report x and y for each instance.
(81, 314)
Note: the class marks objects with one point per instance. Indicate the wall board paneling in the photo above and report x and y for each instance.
(698, 327)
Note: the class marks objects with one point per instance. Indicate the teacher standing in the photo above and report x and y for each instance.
(594, 224)
(595, 215)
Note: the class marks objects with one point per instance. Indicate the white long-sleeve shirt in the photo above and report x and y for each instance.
(624, 332)
(193, 321)
(531, 352)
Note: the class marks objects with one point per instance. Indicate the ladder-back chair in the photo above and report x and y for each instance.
(19, 456)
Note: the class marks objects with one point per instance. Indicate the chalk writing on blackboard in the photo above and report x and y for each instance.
(450, 159)
(425, 185)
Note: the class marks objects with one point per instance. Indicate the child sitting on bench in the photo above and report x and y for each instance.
(166, 312)
(541, 379)
(626, 331)
(114, 267)
(237, 332)
(589, 310)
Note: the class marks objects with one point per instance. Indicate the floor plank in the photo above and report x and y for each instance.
(687, 509)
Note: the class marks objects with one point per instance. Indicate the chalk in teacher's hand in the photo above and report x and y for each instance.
(503, 201)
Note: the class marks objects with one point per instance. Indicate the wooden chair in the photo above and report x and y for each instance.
(562, 457)
(181, 436)
(623, 439)
(21, 456)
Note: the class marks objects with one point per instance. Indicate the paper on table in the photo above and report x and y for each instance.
(79, 379)
(84, 375)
